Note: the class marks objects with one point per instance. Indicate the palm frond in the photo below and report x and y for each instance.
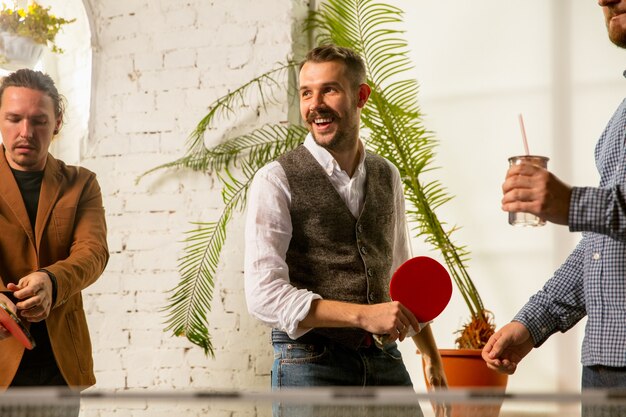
(191, 299)
(263, 144)
(263, 88)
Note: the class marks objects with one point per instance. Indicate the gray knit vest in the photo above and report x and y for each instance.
(331, 253)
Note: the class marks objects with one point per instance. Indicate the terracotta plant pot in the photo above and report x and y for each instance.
(465, 368)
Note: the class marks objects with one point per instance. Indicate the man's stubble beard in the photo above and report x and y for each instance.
(616, 36)
(619, 39)
(345, 137)
(341, 141)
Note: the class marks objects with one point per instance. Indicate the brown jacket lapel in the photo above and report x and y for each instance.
(48, 196)
(10, 193)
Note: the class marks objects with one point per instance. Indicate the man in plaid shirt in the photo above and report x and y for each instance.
(592, 281)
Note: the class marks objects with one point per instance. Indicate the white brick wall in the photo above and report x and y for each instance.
(157, 66)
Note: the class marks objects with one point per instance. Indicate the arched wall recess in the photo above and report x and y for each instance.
(72, 72)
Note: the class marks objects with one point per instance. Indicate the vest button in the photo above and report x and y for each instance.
(363, 250)
(359, 228)
(371, 296)
(370, 272)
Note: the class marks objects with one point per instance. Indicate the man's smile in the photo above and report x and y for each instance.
(321, 119)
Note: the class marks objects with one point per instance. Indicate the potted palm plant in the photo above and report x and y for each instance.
(392, 122)
(25, 32)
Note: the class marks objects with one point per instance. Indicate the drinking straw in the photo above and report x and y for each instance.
(521, 125)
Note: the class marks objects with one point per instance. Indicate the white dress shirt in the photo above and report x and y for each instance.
(269, 295)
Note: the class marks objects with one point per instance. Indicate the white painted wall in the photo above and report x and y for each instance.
(158, 64)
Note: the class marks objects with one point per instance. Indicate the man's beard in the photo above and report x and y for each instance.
(344, 136)
(618, 38)
(616, 34)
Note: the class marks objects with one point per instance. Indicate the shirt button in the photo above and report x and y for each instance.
(596, 256)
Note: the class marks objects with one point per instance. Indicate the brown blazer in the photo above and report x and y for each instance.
(69, 240)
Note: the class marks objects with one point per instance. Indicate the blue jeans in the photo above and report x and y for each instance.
(325, 363)
(608, 378)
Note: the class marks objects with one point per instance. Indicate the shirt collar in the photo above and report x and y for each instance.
(326, 160)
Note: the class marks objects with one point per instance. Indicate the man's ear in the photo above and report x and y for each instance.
(364, 94)
(57, 126)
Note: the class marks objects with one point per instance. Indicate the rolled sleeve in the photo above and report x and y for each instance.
(270, 296)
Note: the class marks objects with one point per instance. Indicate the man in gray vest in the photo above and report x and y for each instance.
(326, 228)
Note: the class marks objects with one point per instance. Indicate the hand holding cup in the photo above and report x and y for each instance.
(531, 188)
(520, 218)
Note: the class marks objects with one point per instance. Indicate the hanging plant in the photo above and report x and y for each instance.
(34, 22)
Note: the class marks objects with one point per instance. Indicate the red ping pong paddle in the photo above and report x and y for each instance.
(423, 286)
(15, 326)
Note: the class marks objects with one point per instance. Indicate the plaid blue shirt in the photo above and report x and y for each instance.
(592, 281)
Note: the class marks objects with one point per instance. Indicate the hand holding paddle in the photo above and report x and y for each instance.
(15, 327)
(424, 287)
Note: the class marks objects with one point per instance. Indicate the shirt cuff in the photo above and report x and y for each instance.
(294, 330)
(539, 324)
